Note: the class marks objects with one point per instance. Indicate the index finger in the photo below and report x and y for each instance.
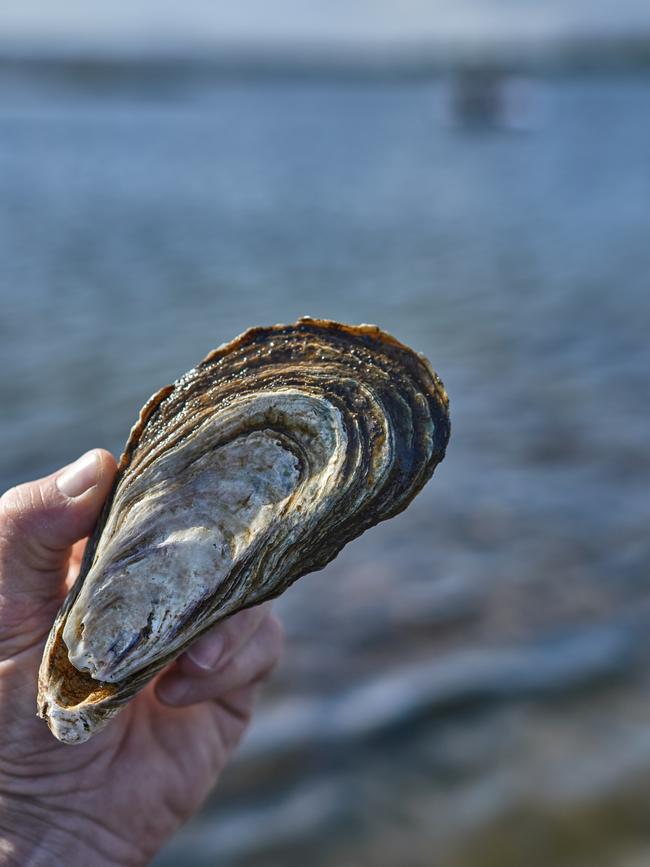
(218, 645)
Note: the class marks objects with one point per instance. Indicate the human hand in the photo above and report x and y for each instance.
(115, 799)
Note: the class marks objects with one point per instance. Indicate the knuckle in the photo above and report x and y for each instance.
(234, 671)
(224, 633)
(237, 628)
(248, 619)
(11, 505)
(264, 672)
(271, 646)
(14, 506)
(278, 627)
(276, 634)
(18, 503)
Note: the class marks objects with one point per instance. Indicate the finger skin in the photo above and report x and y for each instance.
(234, 710)
(254, 661)
(39, 523)
(77, 553)
(219, 644)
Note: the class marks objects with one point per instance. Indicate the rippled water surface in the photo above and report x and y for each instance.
(467, 684)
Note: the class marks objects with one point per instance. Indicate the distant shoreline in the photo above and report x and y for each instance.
(586, 56)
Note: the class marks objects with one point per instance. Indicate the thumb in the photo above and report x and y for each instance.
(39, 522)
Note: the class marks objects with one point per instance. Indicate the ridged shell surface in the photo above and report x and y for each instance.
(253, 469)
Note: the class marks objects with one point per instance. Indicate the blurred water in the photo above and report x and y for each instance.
(469, 679)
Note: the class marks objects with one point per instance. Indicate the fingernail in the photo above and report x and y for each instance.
(207, 652)
(81, 476)
(172, 690)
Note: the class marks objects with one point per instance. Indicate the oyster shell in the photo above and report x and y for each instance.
(253, 469)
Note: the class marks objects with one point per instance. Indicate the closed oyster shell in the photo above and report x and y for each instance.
(253, 469)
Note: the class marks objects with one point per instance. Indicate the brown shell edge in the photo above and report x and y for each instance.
(372, 331)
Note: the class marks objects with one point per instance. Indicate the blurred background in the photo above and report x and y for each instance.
(467, 685)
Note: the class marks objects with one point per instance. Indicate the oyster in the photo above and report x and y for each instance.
(253, 469)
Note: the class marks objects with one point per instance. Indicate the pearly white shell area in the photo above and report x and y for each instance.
(183, 526)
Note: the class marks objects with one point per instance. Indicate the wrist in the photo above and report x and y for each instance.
(31, 837)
